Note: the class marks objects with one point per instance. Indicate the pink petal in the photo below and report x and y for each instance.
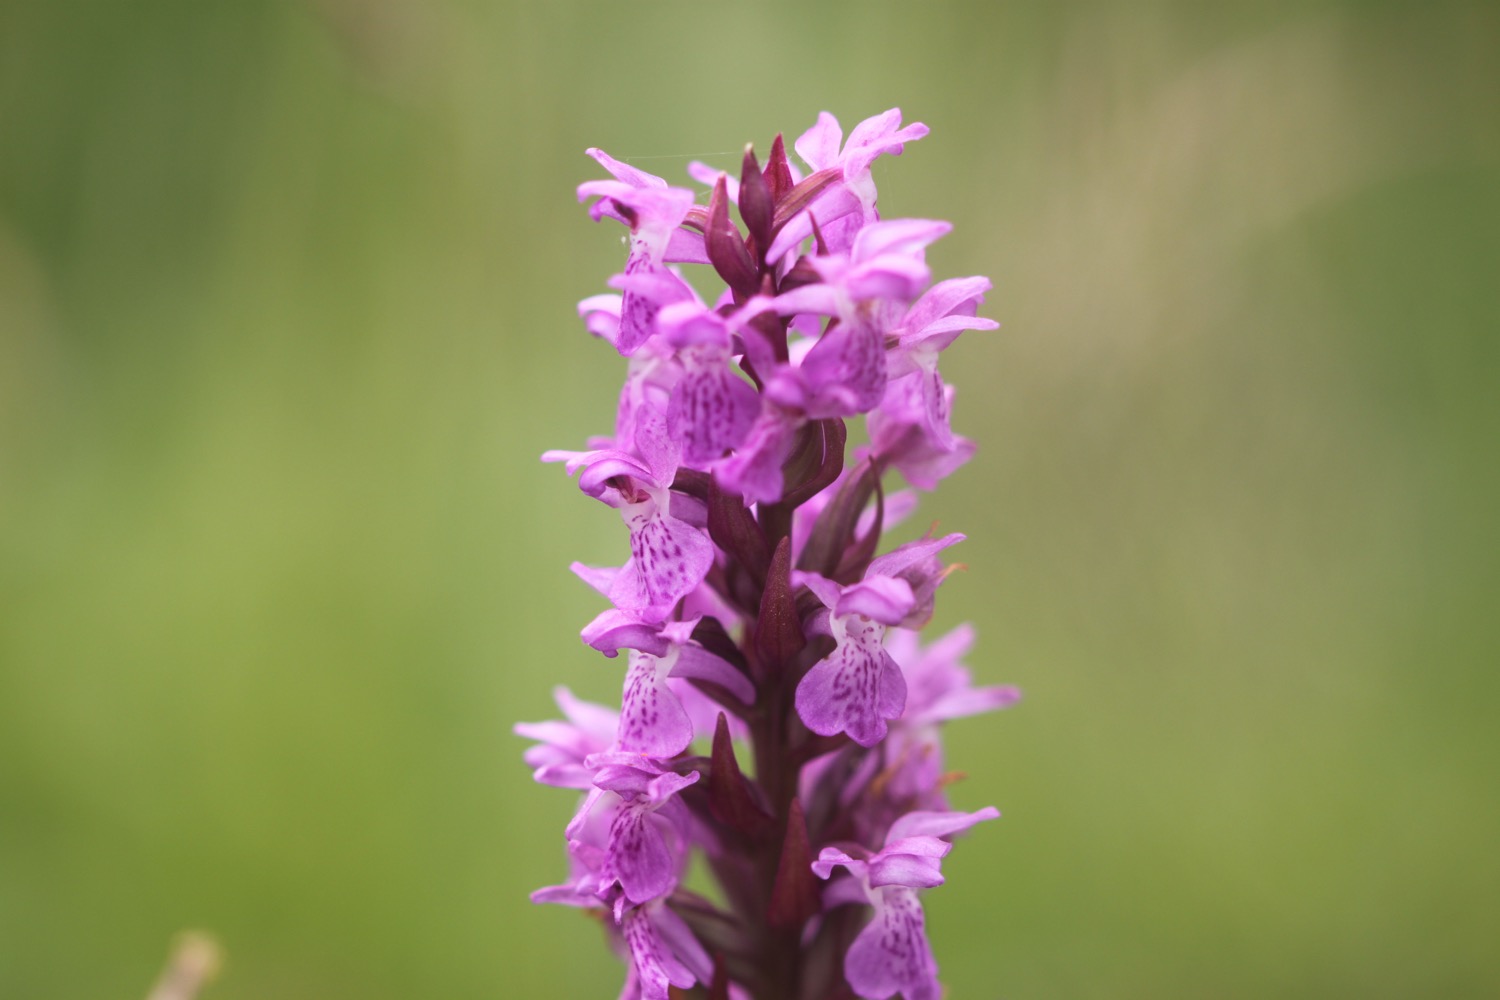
(697, 663)
(944, 299)
(830, 858)
(601, 578)
(637, 855)
(680, 942)
(754, 471)
(900, 237)
(819, 145)
(906, 556)
(937, 824)
(885, 599)
(823, 588)
(905, 869)
(972, 701)
(613, 630)
(624, 171)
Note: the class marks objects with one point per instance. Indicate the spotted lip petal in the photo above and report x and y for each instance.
(856, 689)
(891, 955)
(652, 719)
(844, 373)
(639, 858)
(663, 952)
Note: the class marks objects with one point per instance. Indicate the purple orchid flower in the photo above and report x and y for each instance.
(682, 246)
(845, 371)
(939, 689)
(630, 834)
(670, 553)
(654, 212)
(891, 955)
(652, 370)
(846, 208)
(910, 428)
(940, 686)
(562, 747)
(755, 469)
(904, 437)
(934, 322)
(653, 718)
(859, 687)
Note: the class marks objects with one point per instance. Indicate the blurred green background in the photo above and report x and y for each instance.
(286, 316)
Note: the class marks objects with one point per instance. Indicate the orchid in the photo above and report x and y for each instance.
(891, 954)
(859, 686)
(758, 616)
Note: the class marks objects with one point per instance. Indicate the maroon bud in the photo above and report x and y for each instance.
(757, 206)
(778, 171)
(726, 248)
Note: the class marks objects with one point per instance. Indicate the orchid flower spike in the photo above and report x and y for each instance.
(757, 615)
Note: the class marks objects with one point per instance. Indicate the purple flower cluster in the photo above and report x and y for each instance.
(756, 613)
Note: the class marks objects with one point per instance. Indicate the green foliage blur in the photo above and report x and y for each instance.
(287, 314)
